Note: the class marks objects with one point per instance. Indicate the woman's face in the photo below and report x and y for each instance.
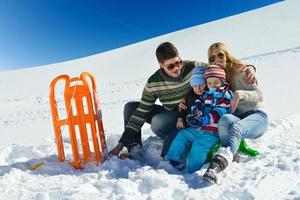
(218, 57)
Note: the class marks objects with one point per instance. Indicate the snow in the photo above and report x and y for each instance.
(266, 37)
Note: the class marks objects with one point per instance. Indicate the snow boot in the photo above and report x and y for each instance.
(136, 151)
(221, 160)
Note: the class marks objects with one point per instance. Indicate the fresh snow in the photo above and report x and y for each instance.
(267, 38)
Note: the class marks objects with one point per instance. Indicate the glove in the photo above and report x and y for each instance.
(194, 121)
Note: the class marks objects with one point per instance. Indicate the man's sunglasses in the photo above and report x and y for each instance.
(213, 58)
(171, 66)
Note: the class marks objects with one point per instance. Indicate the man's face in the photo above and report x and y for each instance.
(172, 66)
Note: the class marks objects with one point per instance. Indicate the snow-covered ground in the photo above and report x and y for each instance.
(266, 37)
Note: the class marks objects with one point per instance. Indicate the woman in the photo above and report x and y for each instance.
(248, 119)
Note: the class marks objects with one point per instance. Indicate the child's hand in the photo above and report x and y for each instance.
(180, 123)
(250, 72)
(182, 105)
(194, 121)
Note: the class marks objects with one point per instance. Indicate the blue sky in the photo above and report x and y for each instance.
(39, 32)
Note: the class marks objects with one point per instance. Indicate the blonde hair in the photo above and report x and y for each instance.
(233, 65)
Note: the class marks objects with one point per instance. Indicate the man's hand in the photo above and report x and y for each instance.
(116, 150)
(234, 102)
(182, 105)
(250, 72)
(180, 123)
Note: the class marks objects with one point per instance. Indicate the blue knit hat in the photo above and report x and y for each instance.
(197, 77)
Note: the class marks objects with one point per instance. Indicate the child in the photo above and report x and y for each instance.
(204, 109)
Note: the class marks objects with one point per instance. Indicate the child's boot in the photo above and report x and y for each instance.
(221, 160)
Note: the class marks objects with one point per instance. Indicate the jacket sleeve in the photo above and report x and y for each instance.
(137, 120)
(146, 106)
(250, 92)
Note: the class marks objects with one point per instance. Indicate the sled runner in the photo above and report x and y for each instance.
(82, 118)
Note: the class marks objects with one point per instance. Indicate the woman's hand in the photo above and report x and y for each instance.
(182, 105)
(250, 72)
(234, 102)
(180, 123)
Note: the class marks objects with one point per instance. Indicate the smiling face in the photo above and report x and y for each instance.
(172, 66)
(213, 82)
(218, 57)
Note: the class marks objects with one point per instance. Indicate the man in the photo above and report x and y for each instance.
(169, 84)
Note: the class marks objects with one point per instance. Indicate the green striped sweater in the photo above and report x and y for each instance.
(168, 90)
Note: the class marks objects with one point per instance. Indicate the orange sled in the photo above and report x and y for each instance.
(82, 117)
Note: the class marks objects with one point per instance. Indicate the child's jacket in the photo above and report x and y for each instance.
(209, 106)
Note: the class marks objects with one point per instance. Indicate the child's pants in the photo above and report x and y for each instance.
(199, 143)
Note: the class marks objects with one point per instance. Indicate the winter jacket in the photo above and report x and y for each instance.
(209, 106)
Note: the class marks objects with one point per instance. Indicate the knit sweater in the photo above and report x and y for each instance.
(160, 86)
(251, 97)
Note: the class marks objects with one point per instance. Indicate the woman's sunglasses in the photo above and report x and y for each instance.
(213, 58)
(171, 66)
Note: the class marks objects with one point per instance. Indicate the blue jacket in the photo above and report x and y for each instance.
(208, 108)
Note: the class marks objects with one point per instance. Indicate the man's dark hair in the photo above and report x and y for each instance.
(166, 51)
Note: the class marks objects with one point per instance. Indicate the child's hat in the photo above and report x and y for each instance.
(197, 77)
(215, 71)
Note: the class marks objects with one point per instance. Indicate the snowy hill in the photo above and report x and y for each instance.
(267, 38)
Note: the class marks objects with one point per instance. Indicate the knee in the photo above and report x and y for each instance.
(263, 126)
(225, 120)
(157, 126)
(264, 116)
(258, 135)
(260, 132)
